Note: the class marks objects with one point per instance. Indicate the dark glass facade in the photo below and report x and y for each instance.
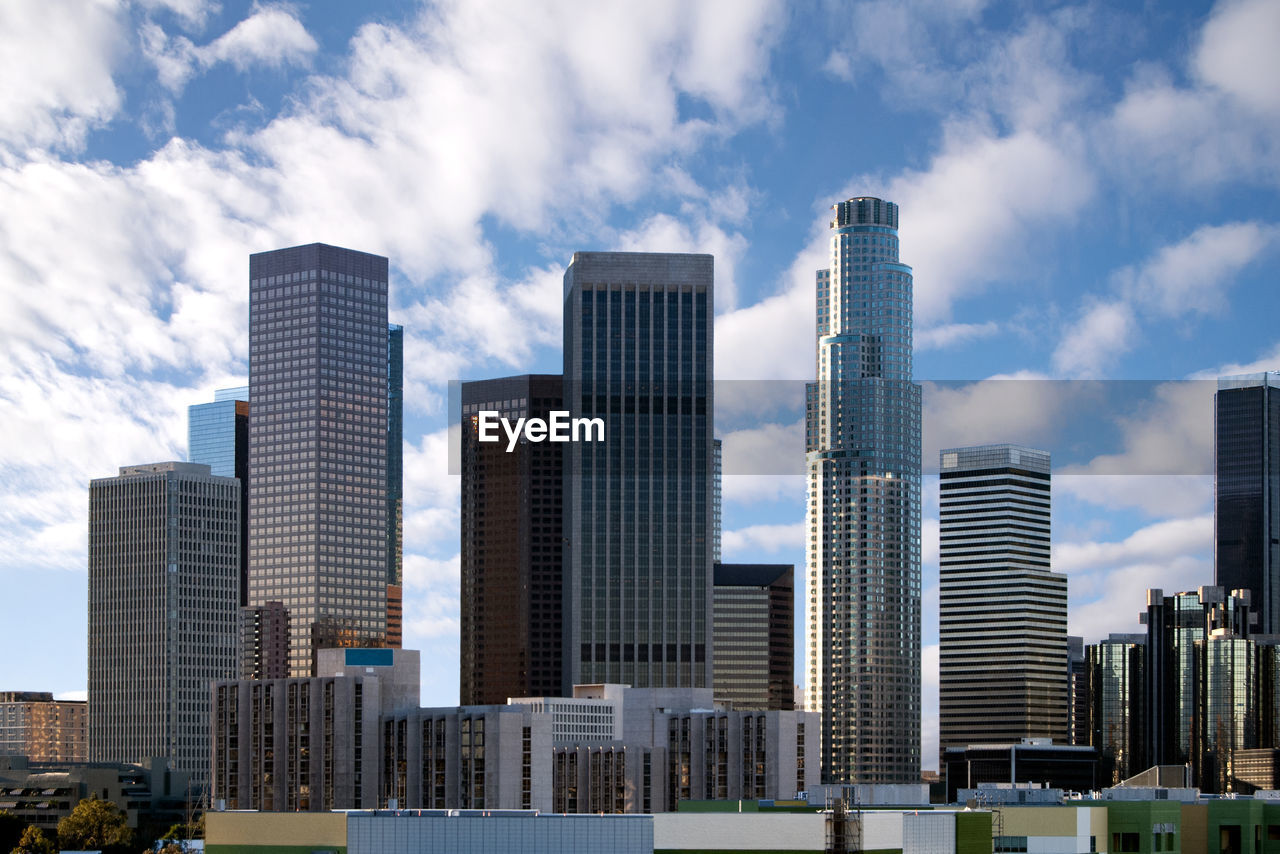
(754, 635)
(318, 444)
(638, 354)
(512, 551)
(1247, 491)
(863, 516)
(1117, 708)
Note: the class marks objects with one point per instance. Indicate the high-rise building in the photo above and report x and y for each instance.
(218, 436)
(264, 641)
(863, 515)
(1003, 672)
(164, 573)
(1077, 691)
(318, 380)
(395, 453)
(512, 555)
(638, 518)
(1247, 491)
(1117, 710)
(34, 725)
(754, 635)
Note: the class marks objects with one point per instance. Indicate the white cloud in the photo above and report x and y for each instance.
(952, 334)
(1194, 274)
(1222, 128)
(1104, 330)
(745, 544)
(1024, 408)
(271, 37)
(58, 58)
(1153, 543)
(980, 199)
(1237, 53)
(436, 139)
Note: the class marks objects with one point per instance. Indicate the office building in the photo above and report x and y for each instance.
(1117, 712)
(512, 555)
(1175, 625)
(310, 743)
(863, 510)
(395, 483)
(1246, 469)
(218, 436)
(164, 577)
(1003, 669)
(264, 641)
(638, 334)
(1077, 691)
(754, 635)
(43, 729)
(318, 380)
(43, 792)
(354, 738)
(1032, 760)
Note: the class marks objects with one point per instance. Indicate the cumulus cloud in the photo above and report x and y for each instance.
(271, 37)
(1103, 330)
(953, 334)
(59, 58)
(437, 142)
(746, 544)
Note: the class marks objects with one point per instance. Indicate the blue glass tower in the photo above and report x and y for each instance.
(218, 437)
(863, 454)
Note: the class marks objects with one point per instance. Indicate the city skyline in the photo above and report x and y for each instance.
(1075, 206)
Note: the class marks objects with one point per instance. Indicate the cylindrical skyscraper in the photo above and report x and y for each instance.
(863, 453)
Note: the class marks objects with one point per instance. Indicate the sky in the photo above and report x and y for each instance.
(1087, 192)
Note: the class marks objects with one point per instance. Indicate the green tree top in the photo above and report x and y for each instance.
(35, 842)
(95, 825)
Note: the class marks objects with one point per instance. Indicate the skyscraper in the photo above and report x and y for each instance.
(863, 513)
(638, 515)
(395, 484)
(318, 380)
(218, 436)
(1003, 671)
(512, 555)
(1246, 468)
(754, 635)
(1117, 710)
(164, 572)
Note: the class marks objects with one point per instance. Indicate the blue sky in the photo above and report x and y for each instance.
(1088, 191)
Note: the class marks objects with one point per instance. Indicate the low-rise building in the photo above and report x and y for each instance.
(34, 725)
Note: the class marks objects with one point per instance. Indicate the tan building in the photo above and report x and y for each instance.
(35, 725)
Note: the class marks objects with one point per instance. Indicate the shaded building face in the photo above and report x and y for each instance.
(318, 349)
(638, 355)
(1247, 492)
(754, 641)
(164, 573)
(863, 512)
(512, 547)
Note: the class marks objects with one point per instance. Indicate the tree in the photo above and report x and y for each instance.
(95, 825)
(35, 842)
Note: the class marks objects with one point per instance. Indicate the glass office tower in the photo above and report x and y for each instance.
(638, 506)
(1247, 491)
(1003, 671)
(218, 437)
(395, 453)
(863, 513)
(318, 445)
(164, 569)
